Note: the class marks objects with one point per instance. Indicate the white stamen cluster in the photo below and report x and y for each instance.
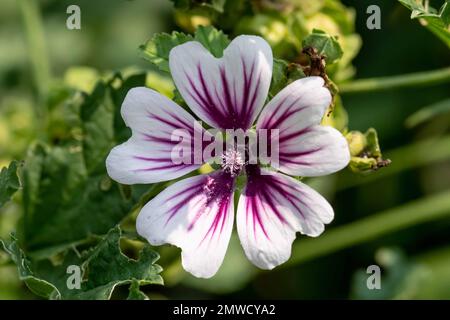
(232, 162)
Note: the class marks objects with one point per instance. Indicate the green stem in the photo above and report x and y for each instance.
(35, 38)
(419, 211)
(395, 82)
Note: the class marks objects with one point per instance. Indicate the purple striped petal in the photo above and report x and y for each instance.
(227, 93)
(195, 214)
(147, 157)
(305, 147)
(271, 210)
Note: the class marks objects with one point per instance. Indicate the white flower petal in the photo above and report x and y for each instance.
(195, 214)
(229, 92)
(271, 210)
(318, 151)
(305, 147)
(147, 156)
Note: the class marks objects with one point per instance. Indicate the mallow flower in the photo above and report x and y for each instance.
(197, 213)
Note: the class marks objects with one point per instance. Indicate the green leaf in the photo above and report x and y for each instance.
(38, 286)
(108, 267)
(284, 73)
(434, 110)
(212, 39)
(97, 117)
(157, 49)
(435, 21)
(325, 44)
(104, 267)
(135, 293)
(67, 194)
(9, 182)
(279, 76)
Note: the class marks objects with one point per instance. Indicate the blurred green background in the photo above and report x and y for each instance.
(395, 207)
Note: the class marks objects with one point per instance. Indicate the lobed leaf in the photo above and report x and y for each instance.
(37, 285)
(157, 49)
(103, 269)
(135, 293)
(325, 44)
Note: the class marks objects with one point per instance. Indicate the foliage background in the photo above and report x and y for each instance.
(407, 204)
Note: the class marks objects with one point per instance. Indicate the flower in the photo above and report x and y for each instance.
(197, 213)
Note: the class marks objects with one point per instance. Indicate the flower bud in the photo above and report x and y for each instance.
(357, 142)
(365, 151)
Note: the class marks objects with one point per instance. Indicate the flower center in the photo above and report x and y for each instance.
(233, 162)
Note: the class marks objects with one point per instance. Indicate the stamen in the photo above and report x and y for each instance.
(233, 162)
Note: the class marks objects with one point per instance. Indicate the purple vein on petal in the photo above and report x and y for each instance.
(220, 218)
(261, 194)
(292, 135)
(213, 192)
(231, 108)
(169, 123)
(211, 106)
(249, 105)
(296, 157)
(188, 195)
